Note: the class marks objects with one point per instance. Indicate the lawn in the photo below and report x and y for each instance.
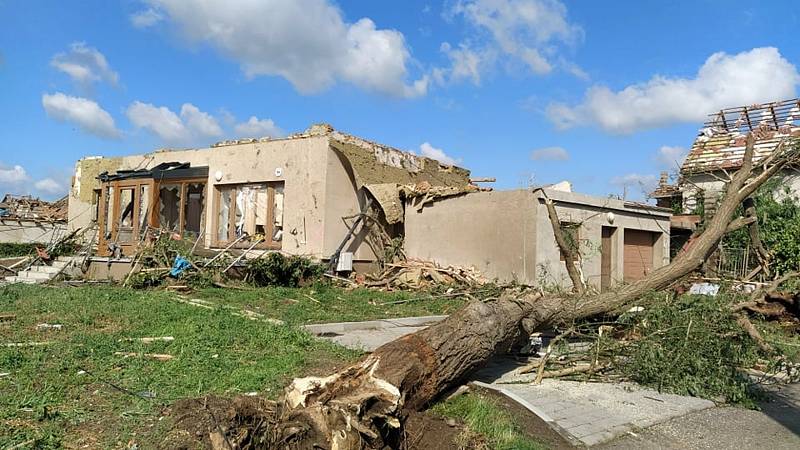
(74, 391)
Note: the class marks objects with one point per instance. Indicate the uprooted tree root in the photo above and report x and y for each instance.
(221, 423)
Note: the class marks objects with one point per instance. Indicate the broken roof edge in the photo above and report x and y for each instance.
(576, 198)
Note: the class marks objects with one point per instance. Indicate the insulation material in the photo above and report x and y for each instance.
(388, 196)
(261, 207)
(224, 215)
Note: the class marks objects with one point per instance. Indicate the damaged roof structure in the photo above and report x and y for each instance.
(718, 150)
(26, 219)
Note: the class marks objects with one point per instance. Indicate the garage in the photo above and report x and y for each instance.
(638, 254)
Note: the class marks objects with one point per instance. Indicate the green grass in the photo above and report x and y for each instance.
(486, 421)
(46, 401)
(331, 304)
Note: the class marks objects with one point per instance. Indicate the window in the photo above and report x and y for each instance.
(181, 205)
(571, 232)
(254, 210)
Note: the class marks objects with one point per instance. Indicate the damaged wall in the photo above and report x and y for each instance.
(491, 231)
(302, 165)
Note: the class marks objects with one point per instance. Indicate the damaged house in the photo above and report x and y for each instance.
(508, 235)
(30, 220)
(717, 152)
(339, 198)
(299, 195)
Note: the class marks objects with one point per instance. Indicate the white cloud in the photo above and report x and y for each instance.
(465, 63)
(754, 76)
(255, 127)
(528, 31)
(199, 122)
(438, 154)
(146, 18)
(636, 185)
(550, 154)
(85, 65)
(85, 113)
(12, 175)
(669, 157)
(306, 42)
(191, 125)
(49, 186)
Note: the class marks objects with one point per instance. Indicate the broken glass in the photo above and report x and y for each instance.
(169, 214)
(223, 220)
(194, 207)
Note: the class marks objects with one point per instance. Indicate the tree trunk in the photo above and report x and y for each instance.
(569, 252)
(364, 405)
(762, 253)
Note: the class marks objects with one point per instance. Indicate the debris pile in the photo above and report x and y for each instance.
(417, 274)
(683, 342)
(32, 208)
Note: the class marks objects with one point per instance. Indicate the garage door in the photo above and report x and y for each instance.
(638, 254)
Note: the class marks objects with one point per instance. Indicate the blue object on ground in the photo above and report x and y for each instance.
(179, 266)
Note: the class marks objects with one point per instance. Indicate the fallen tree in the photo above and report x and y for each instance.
(364, 405)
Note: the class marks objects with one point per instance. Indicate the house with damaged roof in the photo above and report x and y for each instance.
(718, 151)
(346, 200)
(299, 195)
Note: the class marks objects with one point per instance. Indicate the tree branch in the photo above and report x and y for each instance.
(570, 258)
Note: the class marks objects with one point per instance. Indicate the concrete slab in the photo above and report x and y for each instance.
(586, 413)
(776, 426)
(369, 335)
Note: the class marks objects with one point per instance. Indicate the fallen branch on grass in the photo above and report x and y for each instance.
(157, 356)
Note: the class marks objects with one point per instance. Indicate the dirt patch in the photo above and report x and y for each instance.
(424, 431)
(220, 423)
(529, 423)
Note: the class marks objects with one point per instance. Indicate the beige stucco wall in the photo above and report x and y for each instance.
(592, 213)
(342, 200)
(491, 231)
(312, 198)
(507, 234)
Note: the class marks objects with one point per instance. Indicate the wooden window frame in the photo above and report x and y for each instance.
(183, 182)
(116, 187)
(270, 228)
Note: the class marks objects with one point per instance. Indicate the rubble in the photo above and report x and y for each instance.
(417, 274)
(33, 208)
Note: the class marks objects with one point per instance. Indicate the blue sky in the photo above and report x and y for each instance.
(604, 94)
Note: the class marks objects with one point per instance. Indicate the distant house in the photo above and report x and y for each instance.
(27, 220)
(719, 148)
(718, 151)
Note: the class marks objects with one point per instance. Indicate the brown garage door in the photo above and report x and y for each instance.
(638, 255)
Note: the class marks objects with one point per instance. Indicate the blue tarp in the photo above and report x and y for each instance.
(179, 266)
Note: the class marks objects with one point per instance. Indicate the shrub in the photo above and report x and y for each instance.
(275, 269)
(12, 249)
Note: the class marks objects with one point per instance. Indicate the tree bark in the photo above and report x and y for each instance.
(364, 405)
(570, 257)
(762, 253)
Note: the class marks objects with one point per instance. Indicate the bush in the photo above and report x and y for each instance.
(12, 249)
(778, 214)
(275, 269)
